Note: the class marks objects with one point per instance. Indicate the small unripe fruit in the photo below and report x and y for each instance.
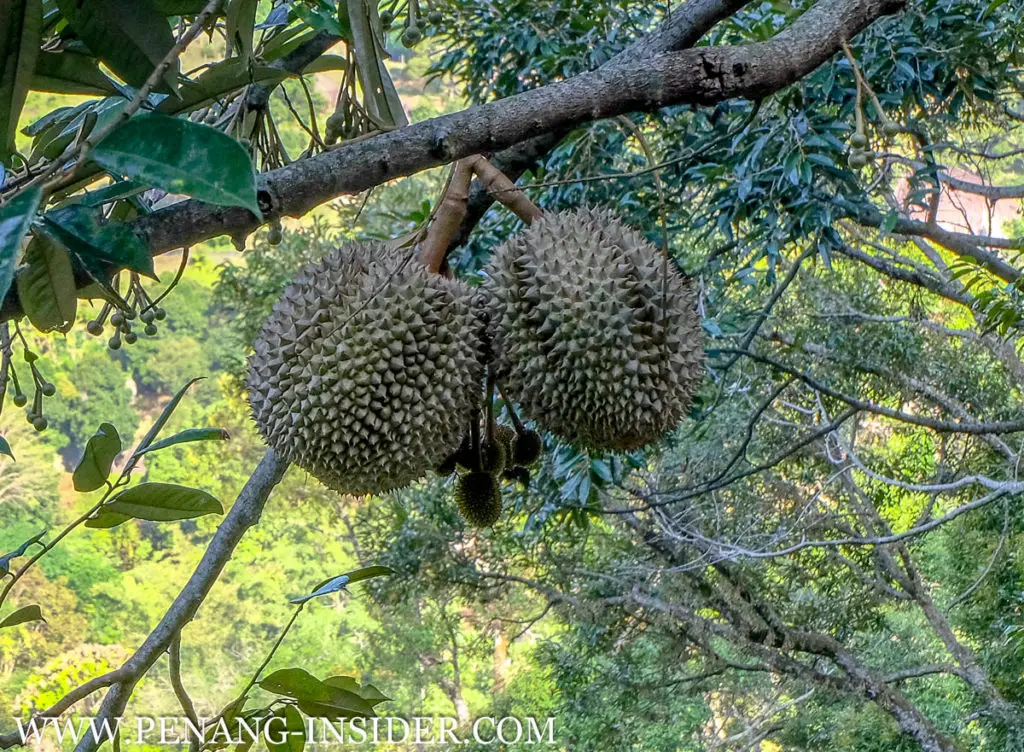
(150, 330)
(130, 338)
(39, 423)
(117, 319)
(411, 36)
(435, 16)
(114, 343)
(527, 448)
(20, 400)
(479, 499)
(890, 129)
(386, 18)
(275, 236)
(858, 140)
(161, 314)
(129, 315)
(95, 328)
(858, 159)
(148, 316)
(49, 389)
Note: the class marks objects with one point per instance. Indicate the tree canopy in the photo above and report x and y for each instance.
(824, 553)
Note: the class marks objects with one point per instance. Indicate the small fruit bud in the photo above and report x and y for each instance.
(39, 423)
(95, 328)
(150, 330)
(117, 319)
(148, 316)
(20, 400)
(411, 36)
(890, 129)
(49, 389)
(275, 236)
(114, 343)
(858, 140)
(387, 18)
(435, 17)
(161, 314)
(130, 338)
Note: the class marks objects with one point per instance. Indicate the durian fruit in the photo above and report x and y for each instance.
(595, 334)
(527, 448)
(368, 370)
(478, 498)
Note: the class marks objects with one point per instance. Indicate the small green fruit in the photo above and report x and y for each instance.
(117, 319)
(890, 129)
(114, 343)
(527, 448)
(161, 314)
(20, 400)
(39, 423)
(479, 499)
(49, 389)
(387, 18)
(131, 338)
(435, 17)
(150, 330)
(95, 328)
(148, 316)
(858, 140)
(411, 36)
(858, 159)
(274, 235)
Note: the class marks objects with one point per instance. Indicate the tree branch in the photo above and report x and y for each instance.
(700, 76)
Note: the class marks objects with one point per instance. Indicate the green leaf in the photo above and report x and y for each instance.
(368, 692)
(158, 502)
(20, 33)
(316, 698)
(179, 7)
(5, 448)
(241, 19)
(70, 73)
(291, 734)
(15, 219)
(46, 285)
(52, 141)
(180, 156)
(23, 616)
(366, 573)
(379, 94)
(184, 437)
(98, 244)
(326, 63)
(114, 192)
(131, 36)
(93, 470)
(147, 440)
(219, 79)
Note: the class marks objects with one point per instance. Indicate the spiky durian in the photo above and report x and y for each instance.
(478, 498)
(368, 370)
(595, 333)
(527, 448)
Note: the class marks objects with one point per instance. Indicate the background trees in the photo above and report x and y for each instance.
(824, 556)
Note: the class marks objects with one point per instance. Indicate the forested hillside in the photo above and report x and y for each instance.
(824, 552)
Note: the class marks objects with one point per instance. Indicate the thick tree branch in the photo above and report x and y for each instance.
(991, 192)
(699, 76)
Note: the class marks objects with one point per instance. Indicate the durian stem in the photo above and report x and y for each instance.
(489, 407)
(448, 219)
(475, 447)
(516, 423)
(504, 190)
